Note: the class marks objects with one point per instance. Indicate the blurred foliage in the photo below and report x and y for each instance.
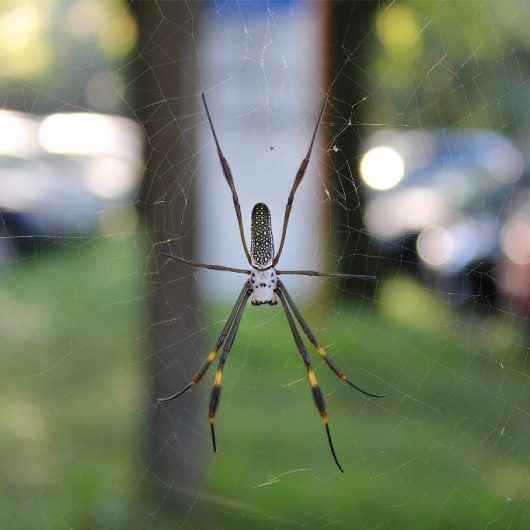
(61, 46)
(446, 449)
(399, 299)
(461, 64)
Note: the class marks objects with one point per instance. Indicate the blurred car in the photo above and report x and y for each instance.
(60, 173)
(440, 198)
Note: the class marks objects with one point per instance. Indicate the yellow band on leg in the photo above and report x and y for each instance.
(218, 378)
(312, 377)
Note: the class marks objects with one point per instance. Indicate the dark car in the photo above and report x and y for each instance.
(443, 204)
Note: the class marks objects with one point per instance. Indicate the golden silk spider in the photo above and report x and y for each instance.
(263, 286)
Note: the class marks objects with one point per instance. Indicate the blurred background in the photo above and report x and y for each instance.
(420, 177)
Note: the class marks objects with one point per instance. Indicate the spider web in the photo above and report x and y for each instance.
(448, 445)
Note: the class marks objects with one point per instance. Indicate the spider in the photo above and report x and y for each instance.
(263, 286)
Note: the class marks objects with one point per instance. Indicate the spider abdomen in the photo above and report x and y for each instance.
(263, 283)
(261, 241)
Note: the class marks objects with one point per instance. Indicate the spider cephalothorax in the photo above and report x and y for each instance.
(263, 284)
(264, 287)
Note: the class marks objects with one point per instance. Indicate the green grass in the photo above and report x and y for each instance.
(448, 448)
(71, 379)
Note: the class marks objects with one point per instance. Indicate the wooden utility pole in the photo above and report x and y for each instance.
(164, 88)
(351, 31)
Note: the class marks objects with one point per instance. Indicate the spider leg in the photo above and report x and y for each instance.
(201, 265)
(329, 274)
(311, 376)
(229, 179)
(215, 396)
(298, 179)
(321, 350)
(213, 354)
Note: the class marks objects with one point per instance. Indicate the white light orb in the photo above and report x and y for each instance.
(436, 246)
(382, 168)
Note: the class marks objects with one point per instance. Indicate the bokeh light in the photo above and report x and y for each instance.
(18, 134)
(25, 50)
(382, 168)
(516, 241)
(435, 246)
(409, 210)
(88, 134)
(399, 31)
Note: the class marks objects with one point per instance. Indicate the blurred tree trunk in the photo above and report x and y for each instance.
(164, 88)
(351, 28)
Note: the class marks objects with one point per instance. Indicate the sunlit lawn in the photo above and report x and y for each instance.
(448, 448)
